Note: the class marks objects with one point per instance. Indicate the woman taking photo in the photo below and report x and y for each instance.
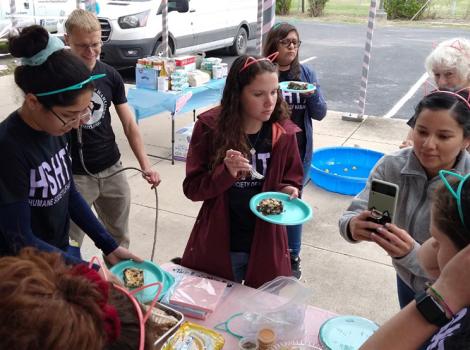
(250, 130)
(284, 38)
(440, 136)
(37, 193)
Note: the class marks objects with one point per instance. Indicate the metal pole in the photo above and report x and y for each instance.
(14, 21)
(365, 66)
(259, 26)
(366, 60)
(165, 26)
(269, 16)
(303, 6)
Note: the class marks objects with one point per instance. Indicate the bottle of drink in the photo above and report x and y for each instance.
(163, 79)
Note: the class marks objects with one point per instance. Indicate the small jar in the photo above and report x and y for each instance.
(266, 338)
(248, 344)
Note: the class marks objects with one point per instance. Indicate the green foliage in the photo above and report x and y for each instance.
(283, 7)
(404, 9)
(316, 7)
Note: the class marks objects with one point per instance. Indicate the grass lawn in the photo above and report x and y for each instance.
(446, 9)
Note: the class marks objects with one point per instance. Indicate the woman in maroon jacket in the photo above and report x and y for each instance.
(251, 129)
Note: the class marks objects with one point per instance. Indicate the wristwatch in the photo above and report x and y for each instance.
(430, 309)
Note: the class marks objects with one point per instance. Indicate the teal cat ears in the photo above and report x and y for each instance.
(457, 195)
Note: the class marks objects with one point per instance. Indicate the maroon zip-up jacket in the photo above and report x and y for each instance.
(208, 247)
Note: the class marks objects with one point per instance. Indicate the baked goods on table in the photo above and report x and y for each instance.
(133, 277)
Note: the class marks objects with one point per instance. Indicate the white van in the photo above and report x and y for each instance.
(132, 29)
(48, 13)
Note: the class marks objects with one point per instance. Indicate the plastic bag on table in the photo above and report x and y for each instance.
(279, 304)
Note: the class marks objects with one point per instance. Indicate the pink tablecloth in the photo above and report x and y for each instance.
(230, 305)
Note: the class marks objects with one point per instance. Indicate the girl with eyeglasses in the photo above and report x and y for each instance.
(284, 38)
(249, 130)
(441, 134)
(442, 311)
(37, 193)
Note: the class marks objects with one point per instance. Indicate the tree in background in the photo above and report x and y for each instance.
(316, 7)
(283, 7)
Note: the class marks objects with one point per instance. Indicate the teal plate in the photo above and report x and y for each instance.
(346, 332)
(152, 273)
(296, 211)
(283, 86)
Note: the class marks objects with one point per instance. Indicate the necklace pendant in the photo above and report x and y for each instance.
(252, 151)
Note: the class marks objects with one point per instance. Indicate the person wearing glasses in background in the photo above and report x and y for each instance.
(110, 197)
(37, 192)
(284, 38)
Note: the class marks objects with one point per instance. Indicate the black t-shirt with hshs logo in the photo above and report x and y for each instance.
(100, 150)
(297, 104)
(242, 220)
(36, 166)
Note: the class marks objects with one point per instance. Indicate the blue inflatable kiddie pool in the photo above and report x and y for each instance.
(342, 169)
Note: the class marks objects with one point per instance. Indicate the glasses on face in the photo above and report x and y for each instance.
(457, 195)
(94, 46)
(83, 115)
(288, 42)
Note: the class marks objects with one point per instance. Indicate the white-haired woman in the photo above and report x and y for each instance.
(449, 65)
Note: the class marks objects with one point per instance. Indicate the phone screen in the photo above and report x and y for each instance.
(382, 199)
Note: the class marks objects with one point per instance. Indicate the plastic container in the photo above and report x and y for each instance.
(342, 169)
(266, 338)
(247, 344)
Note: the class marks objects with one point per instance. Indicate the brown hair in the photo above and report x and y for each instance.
(45, 306)
(229, 132)
(278, 32)
(446, 213)
(82, 20)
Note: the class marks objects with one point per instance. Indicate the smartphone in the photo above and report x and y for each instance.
(383, 199)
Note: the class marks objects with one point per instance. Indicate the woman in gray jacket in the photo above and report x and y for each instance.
(441, 133)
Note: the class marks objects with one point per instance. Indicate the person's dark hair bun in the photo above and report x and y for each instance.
(31, 40)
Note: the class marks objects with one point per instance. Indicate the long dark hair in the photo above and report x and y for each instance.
(229, 133)
(278, 32)
(446, 100)
(60, 70)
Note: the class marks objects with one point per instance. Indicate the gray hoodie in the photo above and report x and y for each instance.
(413, 207)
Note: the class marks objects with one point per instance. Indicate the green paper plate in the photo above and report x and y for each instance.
(283, 86)
(152, 273)
(345, 332)
(296, 211)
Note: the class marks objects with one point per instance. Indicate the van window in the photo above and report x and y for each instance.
(175, 5)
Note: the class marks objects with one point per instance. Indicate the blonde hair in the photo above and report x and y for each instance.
(451, 54)
(82, 20)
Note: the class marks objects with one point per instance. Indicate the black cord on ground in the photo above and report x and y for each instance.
(82, 161)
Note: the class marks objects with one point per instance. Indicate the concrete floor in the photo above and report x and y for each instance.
(344, 278)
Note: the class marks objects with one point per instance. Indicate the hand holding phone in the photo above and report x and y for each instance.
(383, 197)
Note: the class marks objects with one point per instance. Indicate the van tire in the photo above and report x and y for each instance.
(159, 48)
(240, 43)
